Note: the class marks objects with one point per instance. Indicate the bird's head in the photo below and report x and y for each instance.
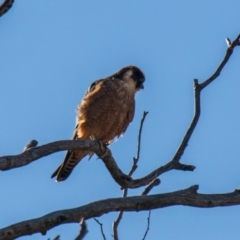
(133, 73)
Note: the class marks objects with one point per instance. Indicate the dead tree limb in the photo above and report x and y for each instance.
(15, 161)
(101, 227)
(186, 197)
(148, 225)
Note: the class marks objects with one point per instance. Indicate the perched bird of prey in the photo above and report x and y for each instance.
(104, 113)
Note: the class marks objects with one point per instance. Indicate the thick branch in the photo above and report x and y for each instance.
(9, 162)
(118, 219)
(15, 161)
(187, 197)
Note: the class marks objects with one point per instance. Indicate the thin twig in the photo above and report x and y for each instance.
(118, 219)
(231, 46)
(101, 226)
(135, 159)
(83, 230)
(27, 157)
(5, 6)
(55, 238)
(148, 224)
(133, 168)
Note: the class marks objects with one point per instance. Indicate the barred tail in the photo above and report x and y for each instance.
(71, 159)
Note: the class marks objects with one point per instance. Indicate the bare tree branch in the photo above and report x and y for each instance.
(197, 91)
(231, 46)
(148, 224)
(5, 6)
(31, 144)
(186, 197)
(101, 227)
(9, 162)
(83, 230)
(57, 237)
(135, 159)
(132, 170)
(118, 219)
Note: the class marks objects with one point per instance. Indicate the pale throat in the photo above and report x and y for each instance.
(130, 85)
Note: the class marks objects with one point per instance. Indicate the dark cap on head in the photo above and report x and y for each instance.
(137, 75)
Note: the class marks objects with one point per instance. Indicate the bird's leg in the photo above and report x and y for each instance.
(104, 150)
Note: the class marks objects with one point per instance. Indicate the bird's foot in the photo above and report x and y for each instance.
(104, 150)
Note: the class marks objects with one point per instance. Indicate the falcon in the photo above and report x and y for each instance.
(104, 113)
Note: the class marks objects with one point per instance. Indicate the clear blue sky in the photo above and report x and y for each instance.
(52, 50)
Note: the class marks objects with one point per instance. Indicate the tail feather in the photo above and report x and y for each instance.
(56, 172)
(72, 158)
